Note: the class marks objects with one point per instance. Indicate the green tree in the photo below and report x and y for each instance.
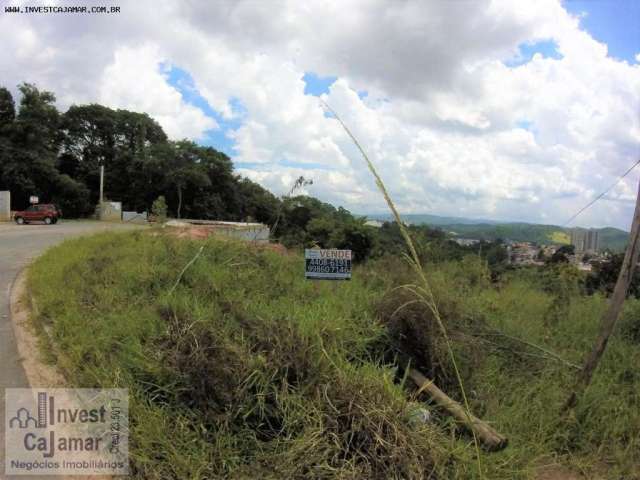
(185, 169)
(219, 196)
(71, 196)
(322, 231)
(604, 276)
(7, 117)
(257, 203)
(355, 236)
(7, 107)
(30, 146)
(88, 141)
(562, 254)
(131, 178)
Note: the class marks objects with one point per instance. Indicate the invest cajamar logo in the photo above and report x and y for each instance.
(66, 431)
(49, 415)
(24, 419)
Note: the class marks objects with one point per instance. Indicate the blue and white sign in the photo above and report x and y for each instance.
(327, 264)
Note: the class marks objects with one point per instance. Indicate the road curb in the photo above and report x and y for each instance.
(39, 374)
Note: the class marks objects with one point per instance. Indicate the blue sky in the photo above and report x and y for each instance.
(182, 81)
(218, 138)
(614, 22)
(547, 48)
(316, 85)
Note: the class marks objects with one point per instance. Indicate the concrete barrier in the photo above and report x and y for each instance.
(252, 232)
(5, 206)
(134, 217)
(111, 211)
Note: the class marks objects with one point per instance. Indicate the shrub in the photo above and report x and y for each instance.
(159, 209)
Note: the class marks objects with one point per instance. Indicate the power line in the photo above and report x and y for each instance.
(602, 194)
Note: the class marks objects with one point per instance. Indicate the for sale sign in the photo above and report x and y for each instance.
(327, 264)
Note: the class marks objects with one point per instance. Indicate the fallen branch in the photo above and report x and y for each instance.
(491, 439)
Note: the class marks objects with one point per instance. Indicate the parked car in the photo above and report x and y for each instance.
(47, 213)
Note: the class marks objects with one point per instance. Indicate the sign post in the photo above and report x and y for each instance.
(327, 264)
(33, 199)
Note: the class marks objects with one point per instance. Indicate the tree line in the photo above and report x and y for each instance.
(57, 157)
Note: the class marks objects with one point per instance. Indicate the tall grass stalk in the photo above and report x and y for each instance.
(423, 291)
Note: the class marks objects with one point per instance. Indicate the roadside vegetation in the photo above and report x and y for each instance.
(237, 367)
(244, 369)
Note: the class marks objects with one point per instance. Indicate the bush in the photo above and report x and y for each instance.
(159, 209)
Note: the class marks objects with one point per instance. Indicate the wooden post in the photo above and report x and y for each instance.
(491, 439)
(613, 311)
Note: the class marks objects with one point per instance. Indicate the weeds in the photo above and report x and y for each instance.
(422, 292)
(244, 362)
(246, 370)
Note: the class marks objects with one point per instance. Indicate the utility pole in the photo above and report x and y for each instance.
(101, 184)
(612, 313)
(101, 191)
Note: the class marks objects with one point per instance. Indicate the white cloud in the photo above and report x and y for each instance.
(134, 82)
(441, 120)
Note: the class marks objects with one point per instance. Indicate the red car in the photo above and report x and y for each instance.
(47, 213)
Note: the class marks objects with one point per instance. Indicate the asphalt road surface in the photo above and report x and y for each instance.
(19, 244)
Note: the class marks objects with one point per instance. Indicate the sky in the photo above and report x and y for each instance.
(508, 110)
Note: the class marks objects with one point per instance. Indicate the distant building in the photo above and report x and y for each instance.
(585, 240)
(549, 250)
(523, 253)
(374, 223)
(585, 267)
(466, 242)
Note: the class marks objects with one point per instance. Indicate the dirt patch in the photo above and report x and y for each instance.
(192, 233)
(204, 232)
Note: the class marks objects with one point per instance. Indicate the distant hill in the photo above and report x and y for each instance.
(611, 238)
(426, 219)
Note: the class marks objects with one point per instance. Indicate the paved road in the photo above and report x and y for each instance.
(19, 244)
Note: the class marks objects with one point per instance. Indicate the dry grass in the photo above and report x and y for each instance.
(421, 290)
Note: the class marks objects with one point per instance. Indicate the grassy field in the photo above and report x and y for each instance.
(247, 370)
(560, 237)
